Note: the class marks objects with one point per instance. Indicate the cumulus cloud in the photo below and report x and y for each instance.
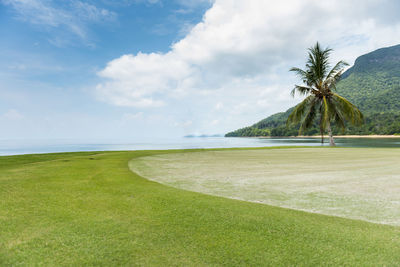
(135, 80)
(240, 53)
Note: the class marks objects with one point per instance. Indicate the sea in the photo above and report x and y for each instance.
(18, 147)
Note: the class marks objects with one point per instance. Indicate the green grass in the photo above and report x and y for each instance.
(348, 182)
(90, 209)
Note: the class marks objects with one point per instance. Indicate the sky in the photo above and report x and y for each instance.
(145, 69)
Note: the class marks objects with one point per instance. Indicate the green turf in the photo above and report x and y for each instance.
(90, 209)
(357, 183)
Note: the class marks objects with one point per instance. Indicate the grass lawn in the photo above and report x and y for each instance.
(89, 209)
(357, 183)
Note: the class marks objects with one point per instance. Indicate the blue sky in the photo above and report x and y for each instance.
(135, 69)
(48, 67)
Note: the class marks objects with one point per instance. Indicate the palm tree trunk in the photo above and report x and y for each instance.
(321, 130)
(322, 136)
(331, 140)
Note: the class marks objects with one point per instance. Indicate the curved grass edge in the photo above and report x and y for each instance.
(178, 180)
(91, 209)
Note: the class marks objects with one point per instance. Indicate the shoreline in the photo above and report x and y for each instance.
(327, 136)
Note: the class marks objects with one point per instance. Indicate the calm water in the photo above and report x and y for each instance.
(15, 147)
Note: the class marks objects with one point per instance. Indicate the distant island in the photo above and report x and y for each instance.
(373, 84)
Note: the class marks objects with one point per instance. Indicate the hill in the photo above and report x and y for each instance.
(372, 84)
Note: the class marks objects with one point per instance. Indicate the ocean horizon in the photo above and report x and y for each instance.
(37, 146)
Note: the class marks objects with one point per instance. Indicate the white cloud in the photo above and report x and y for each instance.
(72, 16)
(89, 12)
(134, 80)
(240, 53)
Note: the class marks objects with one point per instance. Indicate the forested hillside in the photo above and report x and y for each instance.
(373, 84)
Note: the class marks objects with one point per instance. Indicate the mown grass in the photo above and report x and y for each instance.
(355, 183)
(90, 209)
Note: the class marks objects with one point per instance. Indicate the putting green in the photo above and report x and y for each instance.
(357, 183)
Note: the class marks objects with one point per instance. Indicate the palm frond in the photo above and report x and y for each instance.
(335, 74)
(299, 111)
(324, 113)
(309, 117)
(348, 110)
(336, 113)
(302, 74)
(336, 69)
(320, 81)
(301, 90)
(331, 82)
(318, 62)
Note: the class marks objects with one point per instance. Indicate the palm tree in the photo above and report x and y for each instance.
(319, 85)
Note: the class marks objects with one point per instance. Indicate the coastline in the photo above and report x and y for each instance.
(327, 136)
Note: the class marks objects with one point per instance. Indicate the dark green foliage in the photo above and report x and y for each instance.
(372, 84)
(249, 131)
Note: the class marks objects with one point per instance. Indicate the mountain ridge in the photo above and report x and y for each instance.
(372, 84)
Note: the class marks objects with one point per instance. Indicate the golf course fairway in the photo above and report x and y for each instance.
(89, 208)
(357, 183)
